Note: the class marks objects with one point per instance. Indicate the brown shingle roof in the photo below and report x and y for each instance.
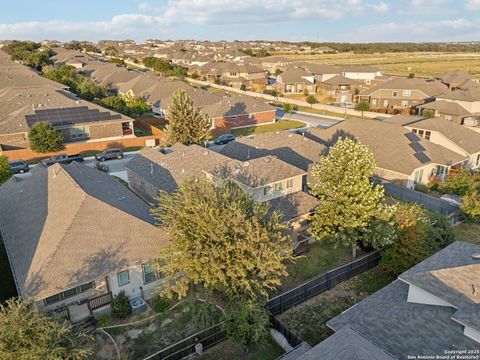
(429, 88)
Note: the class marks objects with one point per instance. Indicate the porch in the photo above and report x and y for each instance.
(80, 311)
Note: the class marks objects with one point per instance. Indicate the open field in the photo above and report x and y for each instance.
(422, 64)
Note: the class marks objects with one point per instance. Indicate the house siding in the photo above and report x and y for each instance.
(244, 120)
(106, 130)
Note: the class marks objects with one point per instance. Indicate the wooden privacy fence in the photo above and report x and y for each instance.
(321, 283)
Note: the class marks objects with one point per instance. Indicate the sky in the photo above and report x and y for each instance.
(290, 20)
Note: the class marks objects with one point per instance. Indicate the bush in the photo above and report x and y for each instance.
(121, 306)
(5, 171)
(460, 183)
(103, 320)
(422, 188)
(246, 322)
(160, 304)
(44, 138)
(440, 233)
(204, 314)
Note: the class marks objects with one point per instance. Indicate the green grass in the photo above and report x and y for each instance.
(139, 132)
(308, 320)
(278, 126)
(132, 148)
(467, 232)
(321, 257)
(228, 350)
(90, 153)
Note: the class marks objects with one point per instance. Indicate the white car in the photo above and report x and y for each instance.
(452, 199)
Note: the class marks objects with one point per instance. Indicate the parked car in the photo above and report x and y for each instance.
(224, 139)
(452, 199)
(109, 154)
(19, 166)
(62, 159)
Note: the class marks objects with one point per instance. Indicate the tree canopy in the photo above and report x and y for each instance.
(5, 171)
(362, 106)
(44, 138)
(350, 208)
(221, 239)
(26, 334)
(28, 53)
(187, 124)
(164, 67)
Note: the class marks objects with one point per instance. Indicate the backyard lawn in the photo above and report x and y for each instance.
(308, 320)
(467, 232)
(321, 257)
(228, 350)
(278, 126)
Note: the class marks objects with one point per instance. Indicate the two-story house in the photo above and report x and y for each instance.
(296, 81)
(432, 311)
(232, 74)
(75, 237)
(265, 178)
(401, 93)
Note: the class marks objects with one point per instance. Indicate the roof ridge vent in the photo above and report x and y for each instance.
(246, 163)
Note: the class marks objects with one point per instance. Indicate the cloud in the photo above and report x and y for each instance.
(381, 7)
(443, 30)
(472, 4)
(118, 27)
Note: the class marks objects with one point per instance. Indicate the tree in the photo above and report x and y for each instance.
(44, 138)
(246, 322)
(305, 92)
(121, 305)
(471, 205)
(349, 207)
(411, 75)
(311, 99)
(27, 334)
(287, 108)
(409, 248)
(362, 106)
(428, 113)
(278, 71)
(5, 171)
(187, 124)
(111, 50)
(460, 182)
(243, 87)
(221, 239)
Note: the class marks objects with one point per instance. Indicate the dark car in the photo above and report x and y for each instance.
(109, 154)
(19, 167)
(62, 159)
(224, 139)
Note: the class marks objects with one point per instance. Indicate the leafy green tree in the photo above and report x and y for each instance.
(350, 208)
(287, 108)
(471, 205)
(440, 233)
(428, 113)
(311, 99)
(44, 138)
(243, 87)
(362, 106)
(409, 248)
(187, 124)
(246, 322)
(118, 61)
(5, 171)
(278, 72)
(411, 75)
(26, 334)
(28, 53)
(221, 239)
(305, 92)
(460, 183)
(111, 50)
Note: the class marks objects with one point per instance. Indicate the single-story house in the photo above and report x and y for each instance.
(75, 237)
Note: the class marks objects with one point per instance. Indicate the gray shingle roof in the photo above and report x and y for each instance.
(429, 88)
(294, 149)
(70, 224)
(402, 328)
(346, 344)
(446, 107)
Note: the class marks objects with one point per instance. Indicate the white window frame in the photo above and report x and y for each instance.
(407, 93)
(79, 132)
(118, 278)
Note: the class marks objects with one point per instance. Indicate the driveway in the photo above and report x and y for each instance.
(312, 120)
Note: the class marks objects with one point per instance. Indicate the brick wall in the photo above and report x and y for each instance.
(244, 120)
(75, 148)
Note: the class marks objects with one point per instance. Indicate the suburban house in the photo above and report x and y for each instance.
(322, 72)
(454, 79)
(401, 156)
(430, 312)
(294, 149)
(270, 63)
(364, 73)
(75, 237)
(450, 135)
(296, 81)
(233, 75)
(265, 178)
(401, 93)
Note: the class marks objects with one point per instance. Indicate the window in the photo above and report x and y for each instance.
(418, 176)
(68, 293)
(290, 183)
(404, 103)
(420, 133)
(394, 93)
(374, 102)
(150, 271)
(439, 170)
(278, 187)
(79, 132)
(427, 135)
(407, 93)
(123, 278)
(385, 103)
(266, 190)
(414, 131)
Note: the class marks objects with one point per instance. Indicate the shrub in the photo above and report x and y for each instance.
(121, 306)
(204, 314)
(421, 187)
(161, 304)
(460, 183)
(440, 233)
(44, 138)
(5, 171)
(103, 320)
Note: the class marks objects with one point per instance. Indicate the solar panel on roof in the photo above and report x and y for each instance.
(412, 137)
(417, 147)
(68, 116)
(422, 157)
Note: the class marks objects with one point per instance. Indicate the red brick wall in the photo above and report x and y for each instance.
(244, 120)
